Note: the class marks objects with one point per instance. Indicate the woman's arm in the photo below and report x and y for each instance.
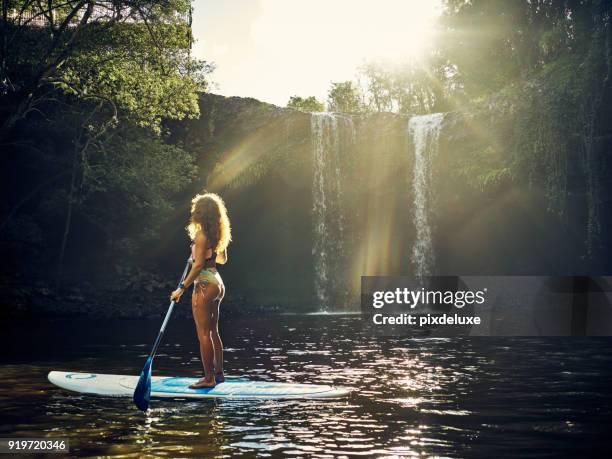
(196, 266)
(222, 257)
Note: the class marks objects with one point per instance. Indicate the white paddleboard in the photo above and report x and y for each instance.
(178, 387)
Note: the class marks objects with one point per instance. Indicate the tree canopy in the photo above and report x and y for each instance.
(307, 104)
(131, 58)
(344, 97)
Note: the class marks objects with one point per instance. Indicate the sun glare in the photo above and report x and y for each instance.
(398, 30)
(300, 46)
(388, 29)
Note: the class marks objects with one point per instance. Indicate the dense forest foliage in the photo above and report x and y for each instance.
(87, 89)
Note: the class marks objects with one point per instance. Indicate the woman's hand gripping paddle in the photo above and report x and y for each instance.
(142, 393)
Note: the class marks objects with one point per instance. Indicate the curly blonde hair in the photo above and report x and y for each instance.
(209, 214)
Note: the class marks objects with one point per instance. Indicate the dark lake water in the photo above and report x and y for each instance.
(451, 397)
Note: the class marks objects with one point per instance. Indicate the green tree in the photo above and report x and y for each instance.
(410, 87)
(513, 40)
(131, 57)
(98, 72)
(308, 104)
(378, 86)
(345, 97)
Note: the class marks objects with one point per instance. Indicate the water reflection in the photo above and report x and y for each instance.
(459, 397)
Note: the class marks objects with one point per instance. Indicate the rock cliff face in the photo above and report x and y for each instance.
(318, 200)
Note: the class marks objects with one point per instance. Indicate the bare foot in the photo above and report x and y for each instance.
(203, 383)
(219, 377)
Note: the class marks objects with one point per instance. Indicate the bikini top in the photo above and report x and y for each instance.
(208, 261)
(212, 259)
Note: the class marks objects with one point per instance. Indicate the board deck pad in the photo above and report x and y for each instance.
(178, 387)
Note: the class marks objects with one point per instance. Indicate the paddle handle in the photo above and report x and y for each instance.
(169, 313)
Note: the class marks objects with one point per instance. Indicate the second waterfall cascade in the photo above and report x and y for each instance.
(424, 131)
(332, 135)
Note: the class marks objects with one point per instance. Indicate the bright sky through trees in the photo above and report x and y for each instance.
(273, 49)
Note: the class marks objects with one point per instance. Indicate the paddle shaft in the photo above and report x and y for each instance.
(169, 313)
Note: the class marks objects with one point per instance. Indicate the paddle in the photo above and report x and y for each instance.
(142, 393)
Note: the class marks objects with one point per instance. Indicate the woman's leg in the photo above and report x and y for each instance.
(217, 344)
(203, 307)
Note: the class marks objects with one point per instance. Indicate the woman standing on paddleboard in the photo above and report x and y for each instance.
(210, 233)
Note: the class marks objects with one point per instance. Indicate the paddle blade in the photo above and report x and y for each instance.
(142, 393)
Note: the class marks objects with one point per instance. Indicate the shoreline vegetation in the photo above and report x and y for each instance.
(43, 300)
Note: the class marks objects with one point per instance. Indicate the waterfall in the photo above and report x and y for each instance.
(331, 133)
(424, 131)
